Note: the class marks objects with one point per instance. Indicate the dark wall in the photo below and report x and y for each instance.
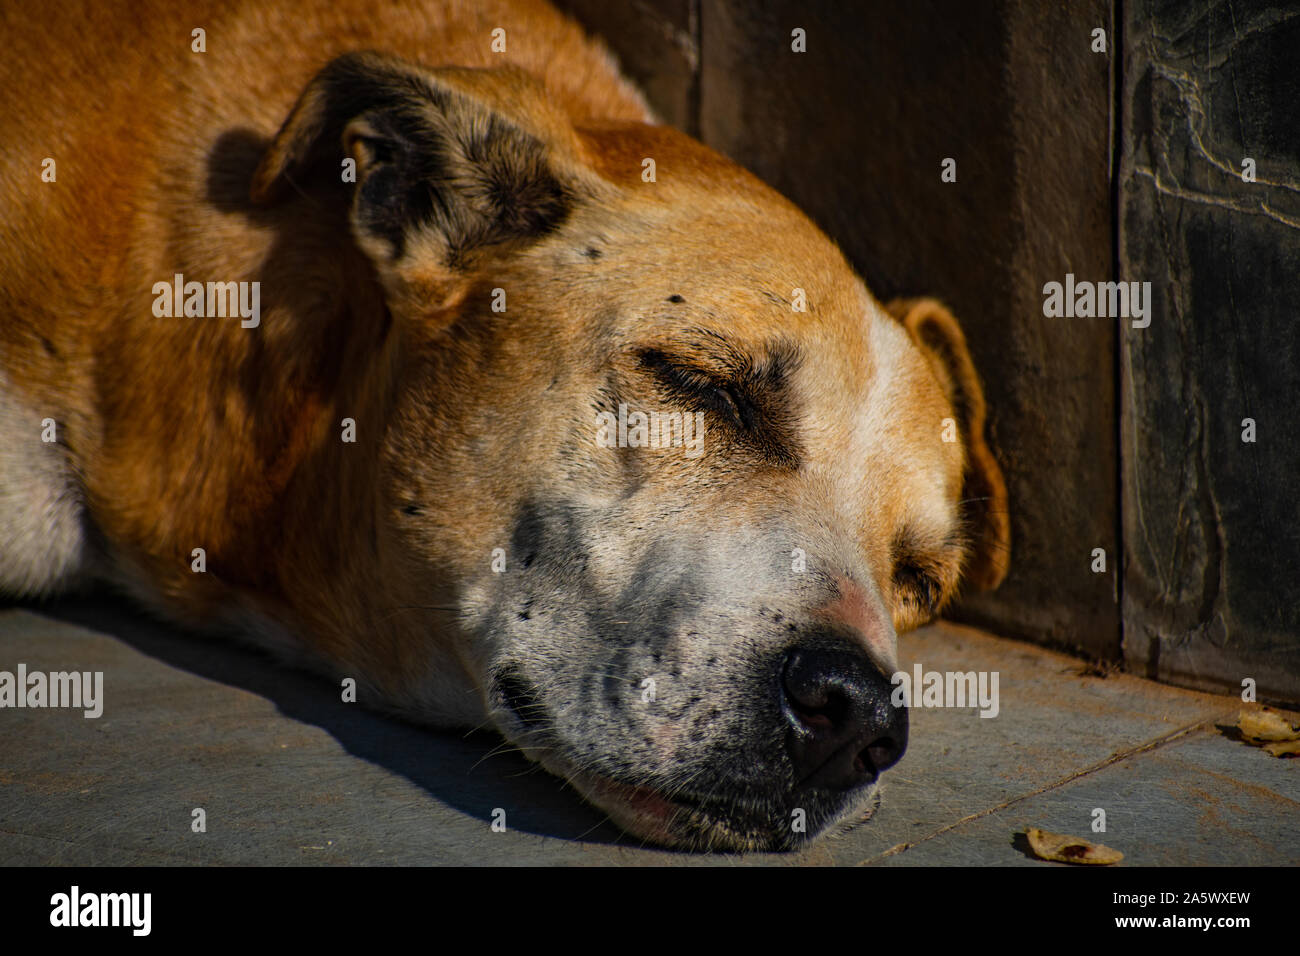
(1212, 544)
(855, 130)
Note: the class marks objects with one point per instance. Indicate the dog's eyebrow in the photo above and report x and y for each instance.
(766, 367)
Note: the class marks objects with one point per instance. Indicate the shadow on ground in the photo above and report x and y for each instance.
(465, 771)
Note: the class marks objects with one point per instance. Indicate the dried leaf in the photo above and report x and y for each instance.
(1284, 748)
(1265, 724)
(1068, 849)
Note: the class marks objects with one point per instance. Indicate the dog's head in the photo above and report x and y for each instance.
(675, 478)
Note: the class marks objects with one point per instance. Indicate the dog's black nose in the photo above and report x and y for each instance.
(844, 729)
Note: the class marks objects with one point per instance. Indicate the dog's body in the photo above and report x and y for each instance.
(669, 632)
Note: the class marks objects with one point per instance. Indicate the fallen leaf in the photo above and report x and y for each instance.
(1068, 849)
(1266, 725)
(1284, 748)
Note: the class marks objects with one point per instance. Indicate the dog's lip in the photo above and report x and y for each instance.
(680, 819)
(649, 811)
(639, 809)
(676, 818)
(645, 799)
(641, 799)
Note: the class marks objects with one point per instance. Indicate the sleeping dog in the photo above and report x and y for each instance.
(400, 340)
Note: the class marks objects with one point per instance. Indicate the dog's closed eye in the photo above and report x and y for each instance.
(927, 565)
(750, 400)
(696, 386)
(919, 586)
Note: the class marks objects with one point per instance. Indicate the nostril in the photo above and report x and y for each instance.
(825, 714)
(862, 763)
(813, 694)
(812, 719)
(881, 754)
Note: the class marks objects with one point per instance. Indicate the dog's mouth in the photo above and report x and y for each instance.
(721, 821)
(716, 816)
(640, 810)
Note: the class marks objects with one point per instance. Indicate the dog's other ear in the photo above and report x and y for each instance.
(451, 165)
(984, 492)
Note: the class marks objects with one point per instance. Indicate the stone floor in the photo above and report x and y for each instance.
(288, 774)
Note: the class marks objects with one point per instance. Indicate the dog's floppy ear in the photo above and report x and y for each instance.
(984, 494)
(450, 164)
